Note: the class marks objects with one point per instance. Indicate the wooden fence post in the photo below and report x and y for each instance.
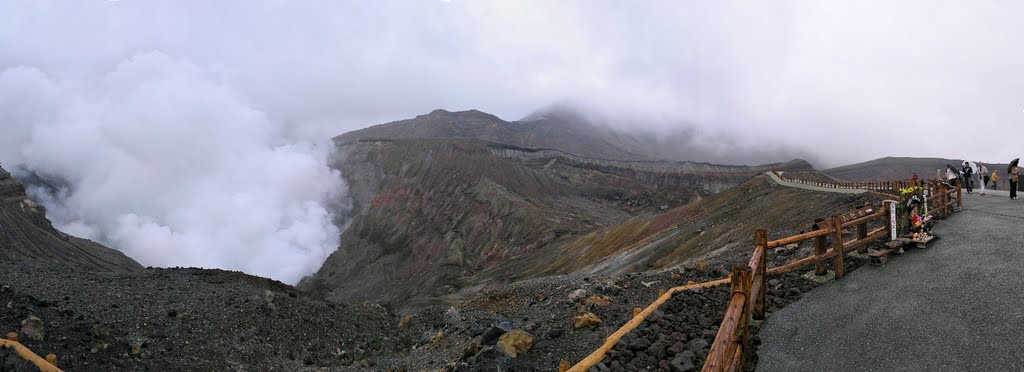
(820, 268)
(837, 245)
(760, 244)
(742, 285)
(932, 186)
(944, 200)
(960, 196)
(862, 233)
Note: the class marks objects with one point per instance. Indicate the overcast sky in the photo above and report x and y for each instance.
(108, 95)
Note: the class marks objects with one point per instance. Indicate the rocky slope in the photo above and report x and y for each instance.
(25, 233)
(436, 216)
(717, 228)
(186, 320)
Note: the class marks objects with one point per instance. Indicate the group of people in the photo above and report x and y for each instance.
(979, 170)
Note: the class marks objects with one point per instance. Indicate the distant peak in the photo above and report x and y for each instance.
(559, 111)
(799, 163)
(472, 113)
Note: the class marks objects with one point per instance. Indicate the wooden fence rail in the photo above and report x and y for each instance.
(747, 295)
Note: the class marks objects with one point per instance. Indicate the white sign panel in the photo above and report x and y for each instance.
(927, 195)
(892, 221)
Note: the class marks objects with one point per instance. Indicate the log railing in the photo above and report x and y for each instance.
(893, 185)
(747, 295)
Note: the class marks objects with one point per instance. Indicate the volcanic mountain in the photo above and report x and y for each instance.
(561, 129)
(571, 130)
(446, 201)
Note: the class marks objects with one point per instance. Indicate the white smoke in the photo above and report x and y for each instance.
(168, 162)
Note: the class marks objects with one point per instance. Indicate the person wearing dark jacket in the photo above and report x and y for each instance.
(968, 172)
(1014, 178)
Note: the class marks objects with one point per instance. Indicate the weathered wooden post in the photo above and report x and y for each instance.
(743, 330)
(960, 196)
(760, 248)
(837, 245)
(862, 233)
(945, 199)
(732, 334)
(932, 185)
(820, 267)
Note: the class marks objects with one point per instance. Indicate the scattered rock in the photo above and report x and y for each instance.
(515, 342)
(471, 350)
(598, 300)
(577, 294)
(438, 337)
(268, 299)
(136, 345)
(506, 326)
(452, 316)
(491, 336)
(33, 328)
(683, 362)
(587, 319)
(638, 344)
(405, 321)
(696, 345)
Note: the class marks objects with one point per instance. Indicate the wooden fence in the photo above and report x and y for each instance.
(730, 349)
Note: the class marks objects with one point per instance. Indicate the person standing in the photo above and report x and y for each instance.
(995, 179)
(982, 176)
(968, 173)
(1014, 178)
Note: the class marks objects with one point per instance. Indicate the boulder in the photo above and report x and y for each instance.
(683, 362)
(696, 345)
(577, 294)
(515, 342)
(584, 320)
(491, 336)
(33, 328)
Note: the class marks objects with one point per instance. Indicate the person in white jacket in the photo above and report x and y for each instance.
(982, 172)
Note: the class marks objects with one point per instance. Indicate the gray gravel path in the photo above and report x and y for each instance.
(956, 306)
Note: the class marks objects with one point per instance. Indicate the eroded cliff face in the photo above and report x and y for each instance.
(431, 215)
(26, 233)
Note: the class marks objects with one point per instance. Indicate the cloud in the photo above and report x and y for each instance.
(162, 159)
